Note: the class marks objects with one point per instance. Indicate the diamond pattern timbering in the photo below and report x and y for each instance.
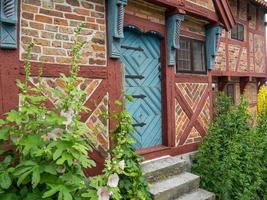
(192, 92)
(192, 112)
(205, 115)
(8, 24)
(173, 37)
(181, 121)
(116, 9)
(95, 119)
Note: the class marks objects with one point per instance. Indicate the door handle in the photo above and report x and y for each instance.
(139, 124)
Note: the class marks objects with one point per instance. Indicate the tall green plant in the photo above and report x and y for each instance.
(230, 160)
(51, 145)
(122, 177)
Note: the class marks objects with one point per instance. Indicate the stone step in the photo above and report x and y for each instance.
(175, 186)
(162, 168)
(199, 194)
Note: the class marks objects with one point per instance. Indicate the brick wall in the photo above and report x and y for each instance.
(51, 25)
(144, 10)
(190, 128)
(247, 55)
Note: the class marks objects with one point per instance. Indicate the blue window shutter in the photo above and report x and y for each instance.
(8, 24)
(212, 41)
(173, 37)
(116, 9)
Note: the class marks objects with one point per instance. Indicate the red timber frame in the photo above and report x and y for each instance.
(170, 78)
(245, 77)
(12, 68)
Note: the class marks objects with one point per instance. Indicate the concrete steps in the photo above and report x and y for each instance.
(169, 180)
(199, 195)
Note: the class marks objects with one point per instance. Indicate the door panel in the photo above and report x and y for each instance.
(141, 59)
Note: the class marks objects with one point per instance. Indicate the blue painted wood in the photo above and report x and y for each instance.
(8, 24)
(173, 37)
(141, 57)
(212, 38)
(116, 9)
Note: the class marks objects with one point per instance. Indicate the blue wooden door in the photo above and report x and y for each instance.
(142, 70)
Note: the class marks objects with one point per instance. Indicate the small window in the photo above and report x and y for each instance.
(191, 56)
(230, 91)
(238, 32)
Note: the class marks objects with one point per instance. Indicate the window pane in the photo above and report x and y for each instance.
(198, 56)
(183, 56)
(234, 34)
(240, 32)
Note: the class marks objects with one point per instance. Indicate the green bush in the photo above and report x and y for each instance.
(123, 166)
(232, 159)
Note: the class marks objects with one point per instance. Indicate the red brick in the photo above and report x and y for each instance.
(73, 2)
(27, 15)
(29, 8)
(87, 5)
(81, 11)
(99, 8)
(44, 19)
(37, 25)
(63, 8)
(61, 22)
(91, 26)
(51, 12)
(76, 17)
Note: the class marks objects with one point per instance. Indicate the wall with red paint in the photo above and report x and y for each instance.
(247, 55)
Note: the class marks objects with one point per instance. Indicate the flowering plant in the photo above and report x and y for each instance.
(122, 177)
(52, 144)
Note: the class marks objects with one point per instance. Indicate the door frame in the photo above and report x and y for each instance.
(167, 88)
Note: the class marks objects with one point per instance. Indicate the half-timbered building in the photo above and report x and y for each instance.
(169, 55)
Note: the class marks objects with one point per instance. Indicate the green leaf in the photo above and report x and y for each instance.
(23, 177)
(9, 196)
(51, 192)
(51, 169)
(5, 180)
(66, 195)
(57, 153)
(35, 177)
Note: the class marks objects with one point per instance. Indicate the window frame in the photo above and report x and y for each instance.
(192, 67)
(238, 25)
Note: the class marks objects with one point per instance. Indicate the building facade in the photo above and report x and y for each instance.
(169, 55)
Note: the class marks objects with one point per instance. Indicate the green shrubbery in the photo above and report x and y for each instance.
(232, 158)
(50, 146)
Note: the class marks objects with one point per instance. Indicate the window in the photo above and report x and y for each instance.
(230, 91)
(238, 32)
(191, 56)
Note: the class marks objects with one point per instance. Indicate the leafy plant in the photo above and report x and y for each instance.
(123, 169)
(232, 159)
(51, 144)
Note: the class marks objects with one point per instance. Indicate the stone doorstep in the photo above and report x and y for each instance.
(174, 187)
(162, 168)
(199, 194)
